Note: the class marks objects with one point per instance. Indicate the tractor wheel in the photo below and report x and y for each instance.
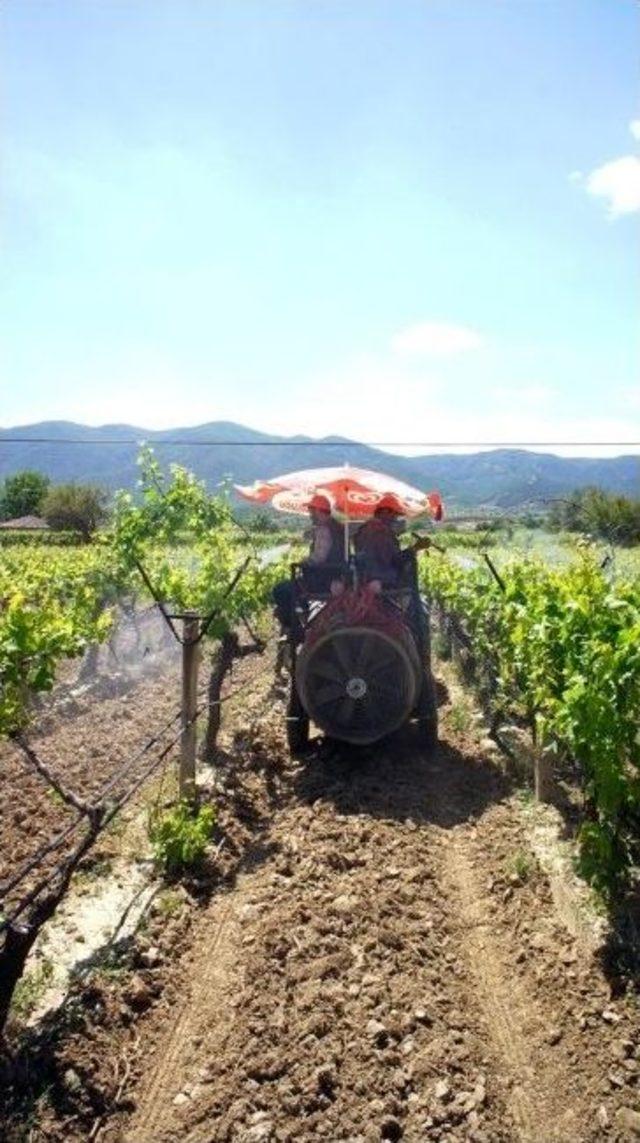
(297, 722)
(427, 714)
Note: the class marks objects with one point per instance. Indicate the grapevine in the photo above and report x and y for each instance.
(560, 649)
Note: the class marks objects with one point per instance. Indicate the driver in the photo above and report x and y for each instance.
(377, 544)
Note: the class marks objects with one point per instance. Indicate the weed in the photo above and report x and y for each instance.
(525, 796)
(98, 867)
(30, 990)
(459, 717)
(167, 904)
(179, 836)
(522, 864)
(441, 645)
(94, 869)
(55, 797)
(116, 826)
(112, 962)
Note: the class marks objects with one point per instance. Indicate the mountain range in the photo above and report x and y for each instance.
(106, 455)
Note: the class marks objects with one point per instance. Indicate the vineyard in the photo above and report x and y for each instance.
(362, 947)
(560, 650)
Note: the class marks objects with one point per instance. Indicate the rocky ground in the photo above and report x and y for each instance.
(372, 952)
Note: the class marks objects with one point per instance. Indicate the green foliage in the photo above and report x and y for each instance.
(484, 537)
(54, 604)
(52, 607)
(169, 509)
(261, 522)
(168, 904)
(75, 507)
(560, 649)
(459, 717)
(34, 539)
(30, 990)
(22, 494)
(602, 514)
(180, 836)
(191, 548)
(522, 864)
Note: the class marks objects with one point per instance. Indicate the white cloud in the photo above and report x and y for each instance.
(435, 339)
(371, 398)
(365, 397)
(619, 183)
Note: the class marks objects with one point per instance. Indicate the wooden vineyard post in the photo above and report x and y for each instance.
(543, 773)
(190, 659)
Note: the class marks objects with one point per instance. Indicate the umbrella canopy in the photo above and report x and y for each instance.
(353, 492)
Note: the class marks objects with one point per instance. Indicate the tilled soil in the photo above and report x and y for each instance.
(86, 732)
(373, 954)
(380, 974)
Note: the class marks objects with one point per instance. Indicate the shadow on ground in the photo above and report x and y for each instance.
(396, 780)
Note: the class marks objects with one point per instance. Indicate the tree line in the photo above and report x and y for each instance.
(64, 507)
(603, 515)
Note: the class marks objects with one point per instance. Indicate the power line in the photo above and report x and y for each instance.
(170, 442)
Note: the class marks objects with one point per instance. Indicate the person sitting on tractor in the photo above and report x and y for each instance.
(319, 568)
(376, 543)
(377, 547)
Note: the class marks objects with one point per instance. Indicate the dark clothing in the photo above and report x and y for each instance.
(379, 552)
(327, 545)
(318, 570)
(283, 599)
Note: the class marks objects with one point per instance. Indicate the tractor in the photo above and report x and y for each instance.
(359, 657)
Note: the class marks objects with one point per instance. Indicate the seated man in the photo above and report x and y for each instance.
(377, 547)
(327, 546)
(319, 567)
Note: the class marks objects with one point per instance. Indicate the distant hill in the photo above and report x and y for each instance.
(501, 477)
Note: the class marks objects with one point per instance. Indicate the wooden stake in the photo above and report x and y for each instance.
(190, 660)
(543, 774)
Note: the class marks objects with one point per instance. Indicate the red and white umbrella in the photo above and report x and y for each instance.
(352, 492)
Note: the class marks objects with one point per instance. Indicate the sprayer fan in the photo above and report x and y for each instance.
(358, 683)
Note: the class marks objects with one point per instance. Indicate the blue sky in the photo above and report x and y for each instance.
(398, 221)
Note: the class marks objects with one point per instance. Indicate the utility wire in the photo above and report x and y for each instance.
(164, 442)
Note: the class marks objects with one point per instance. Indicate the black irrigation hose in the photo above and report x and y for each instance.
(124, 798)
(128, 765)
(58, 871)
(98, 820)
(494, 572)
(150, 588)
(37, 858)
(68, 797)
(90, 812)
(208, 620)
(50, 846)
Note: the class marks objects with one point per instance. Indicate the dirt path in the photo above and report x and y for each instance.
(373, 954)
(388, 965)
